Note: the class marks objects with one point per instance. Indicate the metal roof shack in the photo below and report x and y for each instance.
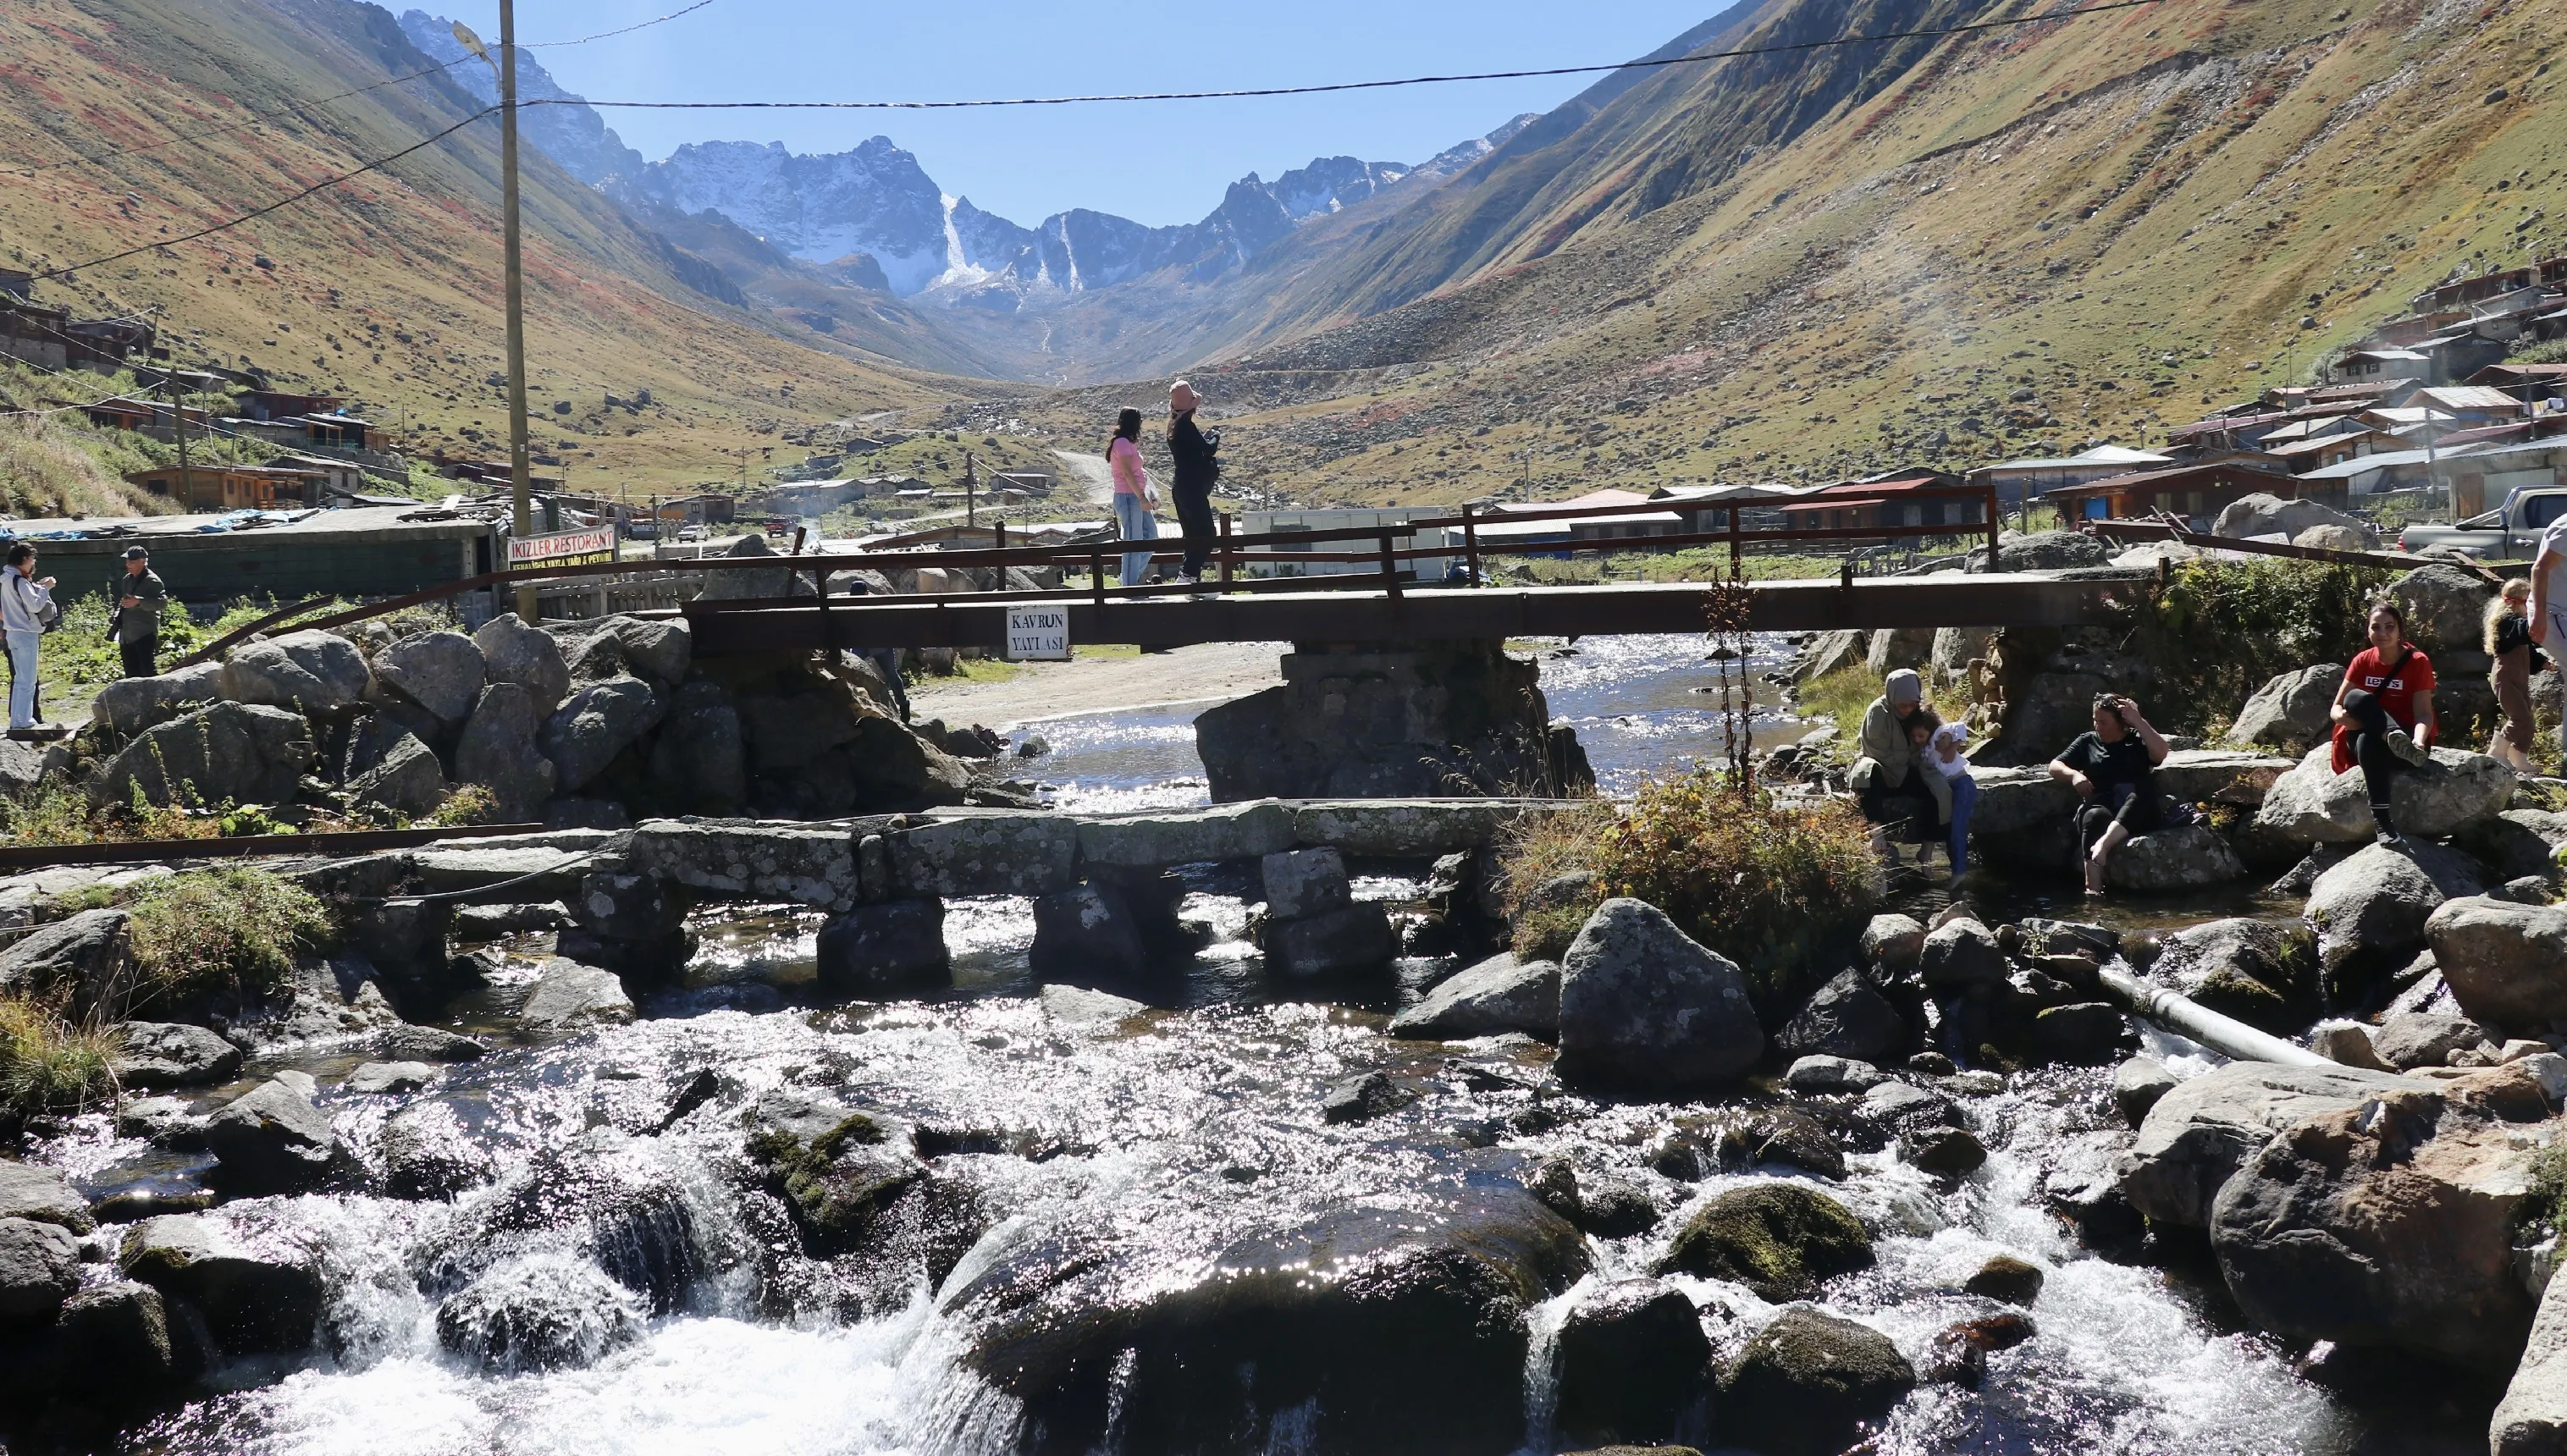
(1659, 522)
(2197, 491)
(363, 551)
(2017, 478)
(233, 487)
(1883, 504)
(2523, 380)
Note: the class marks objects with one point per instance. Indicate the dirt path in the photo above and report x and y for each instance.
(1093, 476)
(1207, 673)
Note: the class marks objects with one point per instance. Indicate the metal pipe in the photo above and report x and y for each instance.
(2224, 1034)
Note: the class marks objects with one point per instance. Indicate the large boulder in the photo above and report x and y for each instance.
(405, 777)
(44, 1195)
(1961, 952)
(2313, 805)
(1360, 1330)
(2048, 551)
(239, 752)
(2202, 1132)
(1832, 651)
(699, 760)
(1779, 1238)
(2517, 843)
(2261, 972)
(39, 1269)
(257, 1290)
(2506, 963)
(85, 962)
(543, 1312)
(1956, 648)
(570, 996)
(1811, 1384)
(308, 672)
(2265, 514)
(1641, 1004)
(1892, 944)
(898, 945)
(128, 706)
(594, 724)
(2389, 1225)
(497, 750)
(1634, 1366)
(528, 657)
(1496, 996)
(662, 650)
(2180, 857)
(2531, 1420)
(2290, 711)
(2370, 911)
(157, 1055)
(2446, 608)
(1843, 1017)
(438, 671)
(271, 1139)
(896, 771)
(1894, 648)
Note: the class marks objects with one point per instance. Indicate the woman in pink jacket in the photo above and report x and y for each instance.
(1135, 495)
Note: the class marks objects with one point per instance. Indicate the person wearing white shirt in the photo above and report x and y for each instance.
(2549, 594)
(25, 603)
(1943, 755)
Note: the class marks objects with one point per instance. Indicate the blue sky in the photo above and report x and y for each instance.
(1157, 162)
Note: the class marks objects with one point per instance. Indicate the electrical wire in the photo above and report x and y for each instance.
(1693, 59)
(607, 34)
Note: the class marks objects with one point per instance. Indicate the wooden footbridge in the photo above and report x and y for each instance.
(791, 608)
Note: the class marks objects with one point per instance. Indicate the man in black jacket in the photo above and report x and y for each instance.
(139, 596)
(1197, 470)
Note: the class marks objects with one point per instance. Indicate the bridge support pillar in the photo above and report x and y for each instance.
(1392, 721)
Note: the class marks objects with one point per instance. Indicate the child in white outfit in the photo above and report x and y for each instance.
(1946, 757)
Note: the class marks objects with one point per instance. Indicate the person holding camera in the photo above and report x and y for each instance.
(139, 596)
(2114, 770)
(2383, 714)
(26, 608)
(1197, 469)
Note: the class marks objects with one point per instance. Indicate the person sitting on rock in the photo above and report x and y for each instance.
(2384, 713)
(1896, 794)
(2508, 645)
(2114, 770)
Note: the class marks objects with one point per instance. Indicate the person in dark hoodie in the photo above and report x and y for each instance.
(1198, 468)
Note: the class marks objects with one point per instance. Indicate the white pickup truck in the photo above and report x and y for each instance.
(2510, 532)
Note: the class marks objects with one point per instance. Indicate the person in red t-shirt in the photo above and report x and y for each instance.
(2384, 713)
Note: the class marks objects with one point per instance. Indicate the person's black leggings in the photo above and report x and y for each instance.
(1910, 816)
(2379, 766)
(1195, 514)
(2133, 806)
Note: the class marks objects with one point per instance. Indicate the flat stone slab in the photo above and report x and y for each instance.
(1249, 830)
(476, 868)
(754, 859)
(990, 852)
(1412, 828)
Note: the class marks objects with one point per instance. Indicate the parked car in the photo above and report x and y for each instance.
(2510, 532)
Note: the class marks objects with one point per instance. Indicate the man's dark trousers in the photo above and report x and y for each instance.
(138, 657)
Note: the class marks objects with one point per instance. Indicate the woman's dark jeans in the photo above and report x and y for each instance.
(2372, 726)
(2133, 806)
(1908, 815)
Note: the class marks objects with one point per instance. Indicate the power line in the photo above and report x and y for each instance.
(259, 213)
(1694, 59)
(296, 109)
(605, 34)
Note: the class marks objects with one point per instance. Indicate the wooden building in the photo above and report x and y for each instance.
(235, 487)
(2197, 492)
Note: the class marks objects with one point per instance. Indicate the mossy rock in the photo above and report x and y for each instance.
(839, 1182)
(1780, 1239)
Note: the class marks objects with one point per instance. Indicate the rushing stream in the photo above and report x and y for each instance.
(1166, 1138)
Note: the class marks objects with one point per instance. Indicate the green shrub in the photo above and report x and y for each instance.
(231, 931)
(48, 1065)
(2223, 629)
(1773, 886)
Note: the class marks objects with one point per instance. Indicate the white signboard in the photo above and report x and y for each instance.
(563, 548)
(1039, 633)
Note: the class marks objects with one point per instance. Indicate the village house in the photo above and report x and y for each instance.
(1884, 504)
(2016, 479)
(52, 339)
(2197, 490)
(203, 487)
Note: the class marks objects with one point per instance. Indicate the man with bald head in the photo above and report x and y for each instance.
(1198, 467)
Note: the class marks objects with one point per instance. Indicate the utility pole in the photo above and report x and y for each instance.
(520, 468)
(971, 493)
(178, 427)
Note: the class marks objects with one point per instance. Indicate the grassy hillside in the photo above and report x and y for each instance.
(386, 288)
(2011, 243)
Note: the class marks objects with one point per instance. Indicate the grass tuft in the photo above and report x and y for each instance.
(233, 931)
(48, 1065)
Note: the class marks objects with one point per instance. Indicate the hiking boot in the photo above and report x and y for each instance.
(2403, 745)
